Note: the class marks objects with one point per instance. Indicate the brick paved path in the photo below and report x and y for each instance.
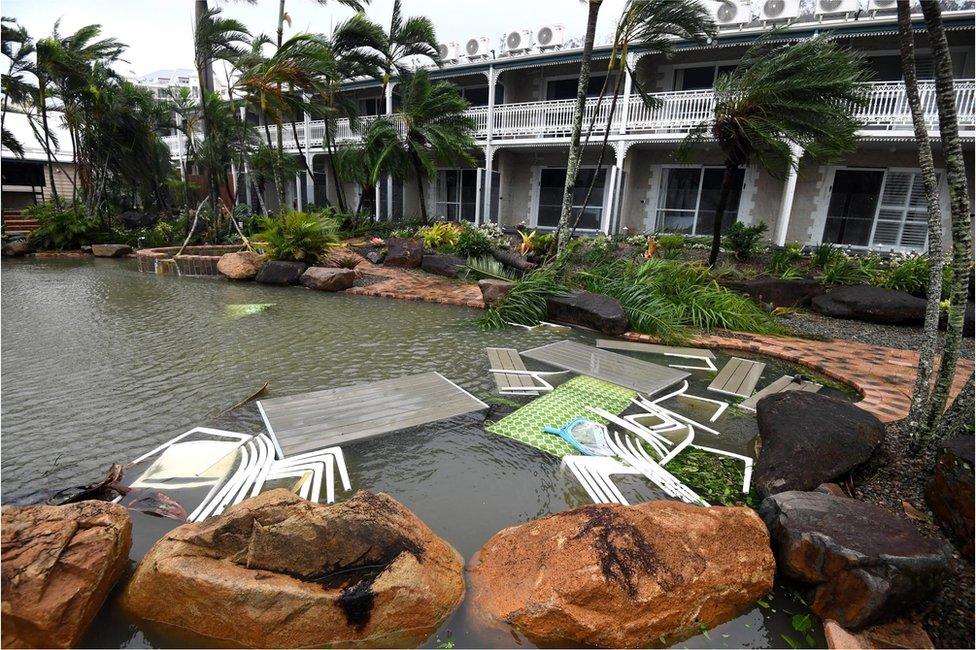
(884, 376)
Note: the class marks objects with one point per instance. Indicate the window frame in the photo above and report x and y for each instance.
(663, 193)
(537, 198)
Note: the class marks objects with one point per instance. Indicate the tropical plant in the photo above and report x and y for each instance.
(61, 226)
(910, 274)
(297, 236)
(525, 303)
(477, 268)
(744, 241)
(780, 100)
(670, 241)
(654, 25)
(441, 236)
(409, 39)
(18, 46)
(473, 242)
(435, 130)
(824, 254)
(843, 270)
(783, 261)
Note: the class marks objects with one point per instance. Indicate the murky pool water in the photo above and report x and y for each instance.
(102, 363)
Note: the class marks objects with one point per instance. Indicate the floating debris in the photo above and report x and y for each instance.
(240, 311)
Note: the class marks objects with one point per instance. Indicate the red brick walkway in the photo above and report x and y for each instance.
(408, 284)
(884, 376)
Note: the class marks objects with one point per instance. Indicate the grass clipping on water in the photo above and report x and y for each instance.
(240, 311)
(664, 298)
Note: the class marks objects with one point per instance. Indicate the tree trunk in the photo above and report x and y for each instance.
(918, 413)
(42, 101)
(206, 81)
(340, 195)
(205, 77)
(962, 236)
(573, 160)
(959, 418)
(418, 170)
(728, 183)
(275, 167)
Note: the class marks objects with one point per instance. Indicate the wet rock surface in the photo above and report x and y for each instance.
(871, 304)
(587, 309)
(279, 571)
(865, 565)
(951, 493)
(281, 273)
(808, 439)
(58, 565)
(324, 278)
(111, 250)
(445, 265)
(777, 292)
(616, 576)
(403, 252)
(493, 291)
(243, 265)
(18, 249)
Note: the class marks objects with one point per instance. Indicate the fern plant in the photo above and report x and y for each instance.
(297, 236)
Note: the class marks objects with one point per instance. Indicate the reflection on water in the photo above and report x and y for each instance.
(101, 363)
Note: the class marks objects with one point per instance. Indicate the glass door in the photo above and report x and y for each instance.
(853, 206)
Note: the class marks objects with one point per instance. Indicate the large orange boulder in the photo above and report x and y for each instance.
(58, 565)
(279, 571)
(242, 265)
(623, 576)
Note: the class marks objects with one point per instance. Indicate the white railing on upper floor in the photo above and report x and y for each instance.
(673, 113)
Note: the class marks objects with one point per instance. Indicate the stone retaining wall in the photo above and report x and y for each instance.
(195, 260)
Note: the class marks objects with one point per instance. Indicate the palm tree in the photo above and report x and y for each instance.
(959, 208)
(918, 413)
(362, 162)
(780, 96)
(407, 38)
(654, 25)
(17, 45)
(434, 130)
(573, 160)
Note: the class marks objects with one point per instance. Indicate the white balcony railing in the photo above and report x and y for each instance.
(674, 113)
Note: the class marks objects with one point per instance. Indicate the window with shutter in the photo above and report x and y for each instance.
(902, 220)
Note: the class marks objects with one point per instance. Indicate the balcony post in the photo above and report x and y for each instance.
(307, 136)
(628, 86)
(484, 215)
(789, 189)
(389, 179)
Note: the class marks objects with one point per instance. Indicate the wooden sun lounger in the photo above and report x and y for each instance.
(325, 418)
(654, 348)
(781, 385)
(619, 369)
(508, 383)
(739, 377)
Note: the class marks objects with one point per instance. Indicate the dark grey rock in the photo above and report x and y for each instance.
(871, 304)
(405, 253)
(951, 494)
(446, 265)
(587, 309)
(18, 249)
(808, 439)
(865, 565)
(136, 219)
(280, 272)
(778, 293)
(375, 256)
(111, 250)
(493, 291)
(328, 279)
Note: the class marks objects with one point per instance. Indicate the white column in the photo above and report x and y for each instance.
(486, 189)
(617, 198)
(789, 189)
(628, 82)
(389, 179)
(309, 186)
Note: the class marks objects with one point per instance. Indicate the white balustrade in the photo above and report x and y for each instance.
(672, 113)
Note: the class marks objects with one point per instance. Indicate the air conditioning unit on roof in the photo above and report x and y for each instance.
(477, 48)
(549, 37)
(779, 10)
(518, 41)
(883, 5)
(448, 52)
(836, 7)
(731, 13)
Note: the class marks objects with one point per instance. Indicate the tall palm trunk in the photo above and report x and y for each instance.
(918, 413)
(573, 161)
(205, 78)
(330, 147)
(275, 167)
(206, 81)
(728, 184)
(962, 236)
(42, 101)
(418, 171)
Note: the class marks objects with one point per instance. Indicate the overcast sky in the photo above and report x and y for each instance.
(158, 32)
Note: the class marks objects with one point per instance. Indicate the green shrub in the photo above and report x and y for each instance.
(909, 274)
(525, 303)
(670, 241)
(297, 236)
(473, 242)
(478, 268)
(783, 262)
(61, 226)
(441, 236)
(843, 269)
(742, 240)
(824, 254)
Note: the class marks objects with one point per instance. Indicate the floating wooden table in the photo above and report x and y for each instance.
(654, 348)
(781, 385)
(311, 421)
(507, 382)
(619, 369)
(739, 377)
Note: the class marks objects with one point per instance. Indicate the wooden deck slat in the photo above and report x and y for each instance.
(642, 376)
(738, 377)
(653, 348)
(320, 419)
(509, 359)
(781, 385)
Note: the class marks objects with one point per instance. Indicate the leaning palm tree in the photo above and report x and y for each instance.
(18, 46)
(408, 38)
(780, 97)
(434, 130)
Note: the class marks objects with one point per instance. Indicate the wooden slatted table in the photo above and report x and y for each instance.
(336, 416)
(509, 359)
(781, 385)
(619, 369)
(654, 348)
(738, 378)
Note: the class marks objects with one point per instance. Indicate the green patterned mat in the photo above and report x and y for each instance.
(555, 409)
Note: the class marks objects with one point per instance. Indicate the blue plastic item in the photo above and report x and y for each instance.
(586, 436)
